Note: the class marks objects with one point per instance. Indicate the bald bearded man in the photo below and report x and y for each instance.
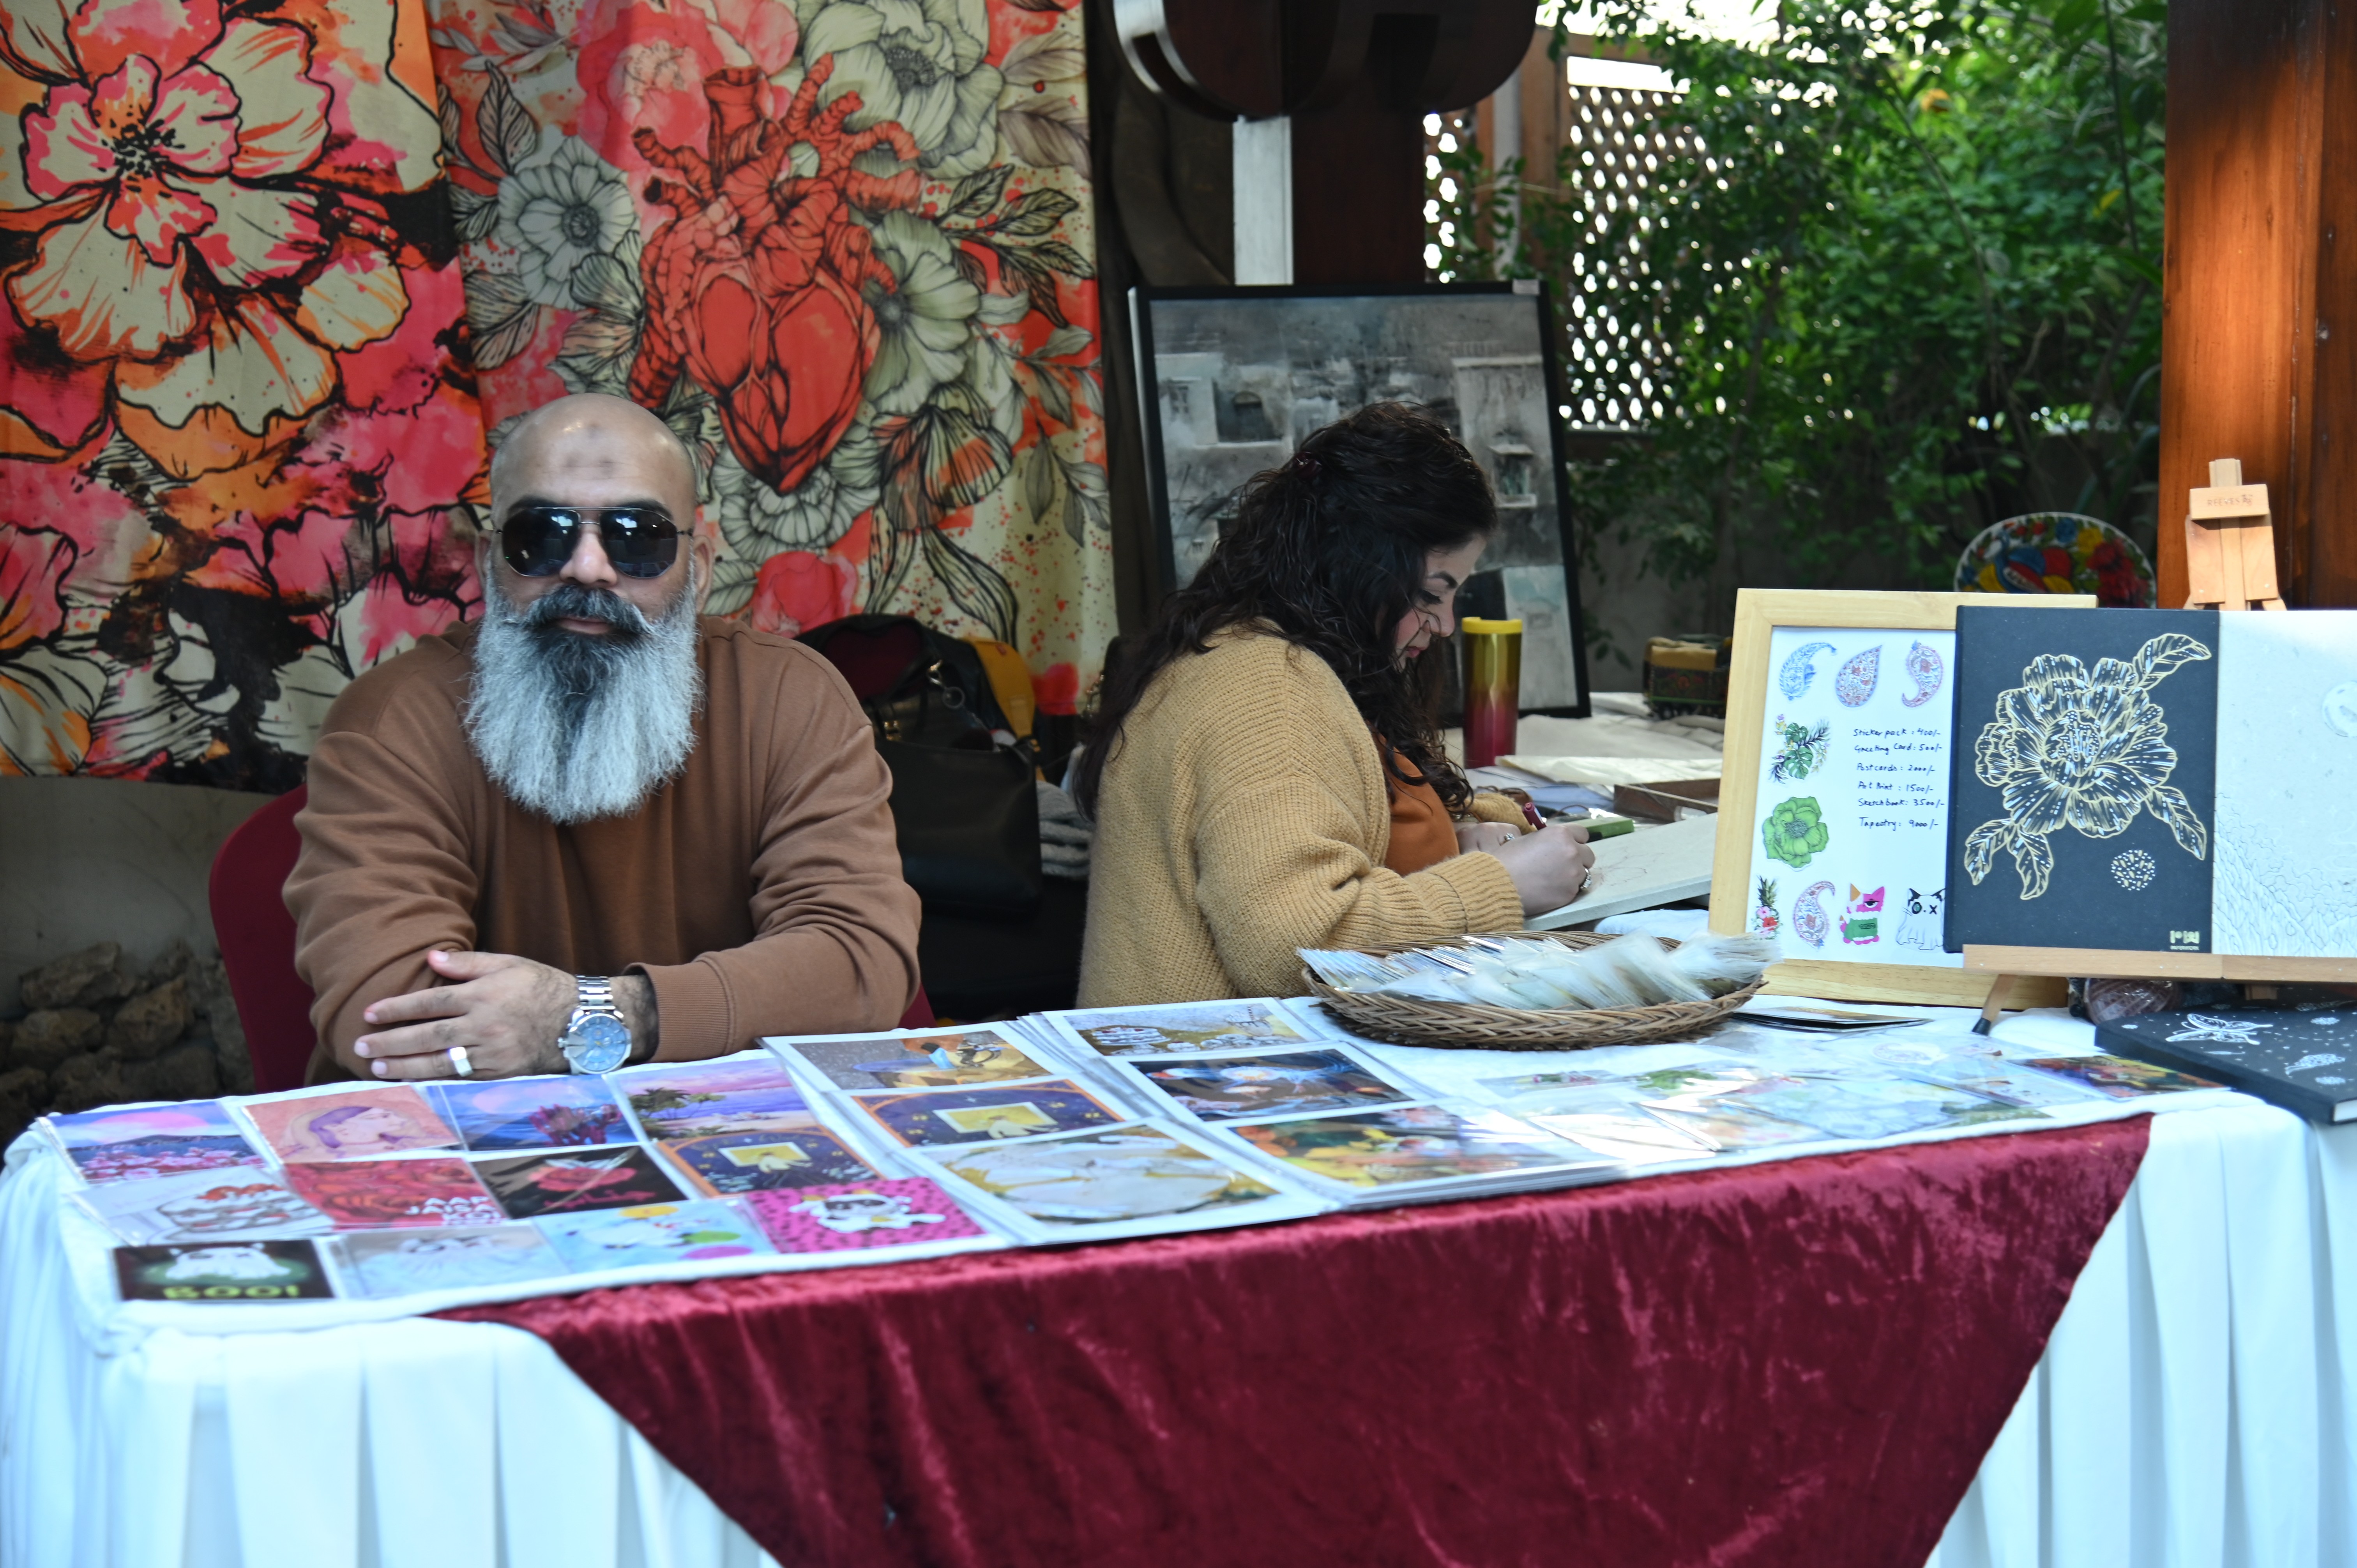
(591, 829)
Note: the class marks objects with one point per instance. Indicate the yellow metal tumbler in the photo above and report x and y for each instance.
(1493, 682)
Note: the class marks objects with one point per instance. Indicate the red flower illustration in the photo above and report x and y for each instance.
(754, 289)
(201, 182)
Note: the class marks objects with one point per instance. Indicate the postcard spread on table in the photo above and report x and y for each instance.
(823, 1150)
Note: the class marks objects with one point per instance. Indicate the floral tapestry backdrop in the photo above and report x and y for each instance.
(234, 435)
(843, 246)
(275, 272)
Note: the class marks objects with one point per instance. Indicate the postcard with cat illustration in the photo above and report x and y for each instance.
(863, 1217)
(149, 1141)
(576, 1111)
(706, 1230)
(381, 1263)
(223, 1273)
(573, 1181)
(726, 1164)
(349, 1124)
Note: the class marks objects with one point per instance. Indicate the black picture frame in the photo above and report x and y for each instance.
(1267, 445)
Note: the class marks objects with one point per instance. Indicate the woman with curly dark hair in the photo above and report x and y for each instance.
(1262, 773)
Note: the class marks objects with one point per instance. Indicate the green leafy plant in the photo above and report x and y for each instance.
(1906, 283)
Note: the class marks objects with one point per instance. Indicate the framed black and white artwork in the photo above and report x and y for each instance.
(1232, 380)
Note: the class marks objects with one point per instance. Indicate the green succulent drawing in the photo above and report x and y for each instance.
(1795, 831)
(2084, 750)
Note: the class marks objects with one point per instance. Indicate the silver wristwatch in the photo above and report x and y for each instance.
(596, 1039)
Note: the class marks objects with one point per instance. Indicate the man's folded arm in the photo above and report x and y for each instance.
(384, 880)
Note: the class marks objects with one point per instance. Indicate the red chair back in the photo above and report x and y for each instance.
(247, 891)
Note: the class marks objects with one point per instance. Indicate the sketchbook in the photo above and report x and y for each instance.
(2299, 1059)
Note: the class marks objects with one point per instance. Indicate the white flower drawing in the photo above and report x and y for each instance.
(558, 213)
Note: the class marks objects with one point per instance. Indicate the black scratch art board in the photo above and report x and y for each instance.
(2155, 780)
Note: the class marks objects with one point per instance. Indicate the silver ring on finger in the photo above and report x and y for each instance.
(459, 1064)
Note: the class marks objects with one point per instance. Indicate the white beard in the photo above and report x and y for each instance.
(577, 727)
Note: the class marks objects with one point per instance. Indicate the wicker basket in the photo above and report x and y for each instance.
(1477, 1026)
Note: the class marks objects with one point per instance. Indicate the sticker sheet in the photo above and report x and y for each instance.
(1850, 853)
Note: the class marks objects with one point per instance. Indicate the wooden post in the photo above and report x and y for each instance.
(2259, 295)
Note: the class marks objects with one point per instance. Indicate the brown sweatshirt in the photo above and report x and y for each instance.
(760, 891)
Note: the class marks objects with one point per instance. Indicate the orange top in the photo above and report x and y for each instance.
(1422, 834)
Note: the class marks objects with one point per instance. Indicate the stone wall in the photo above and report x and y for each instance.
(94, 1031)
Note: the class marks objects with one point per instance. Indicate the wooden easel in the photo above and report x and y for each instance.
(2002, 964)
(2229, 544)
(2230, 565)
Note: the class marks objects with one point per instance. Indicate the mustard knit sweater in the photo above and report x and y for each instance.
(1244, 814)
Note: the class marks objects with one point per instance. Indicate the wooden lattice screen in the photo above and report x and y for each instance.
(1618, 139)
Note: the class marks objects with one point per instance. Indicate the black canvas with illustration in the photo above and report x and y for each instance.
(2083, 797)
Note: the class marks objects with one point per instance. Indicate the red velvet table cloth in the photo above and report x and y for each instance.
(1800, 1362)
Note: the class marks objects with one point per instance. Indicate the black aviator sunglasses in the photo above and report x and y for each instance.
(640, 540)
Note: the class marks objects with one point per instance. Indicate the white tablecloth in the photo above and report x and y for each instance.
(2194, 1408)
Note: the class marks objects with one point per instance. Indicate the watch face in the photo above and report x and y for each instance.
(597, 1043)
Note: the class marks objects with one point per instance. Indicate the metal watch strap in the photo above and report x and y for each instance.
(596, 994)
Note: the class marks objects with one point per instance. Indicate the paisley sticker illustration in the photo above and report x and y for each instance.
(1854, 682)
(1799, 669)
(1927, 670)
(1809, 919)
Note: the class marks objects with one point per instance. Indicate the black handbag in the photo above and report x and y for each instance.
(965, 807)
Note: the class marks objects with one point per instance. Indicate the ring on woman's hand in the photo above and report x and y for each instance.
(459, 1062)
